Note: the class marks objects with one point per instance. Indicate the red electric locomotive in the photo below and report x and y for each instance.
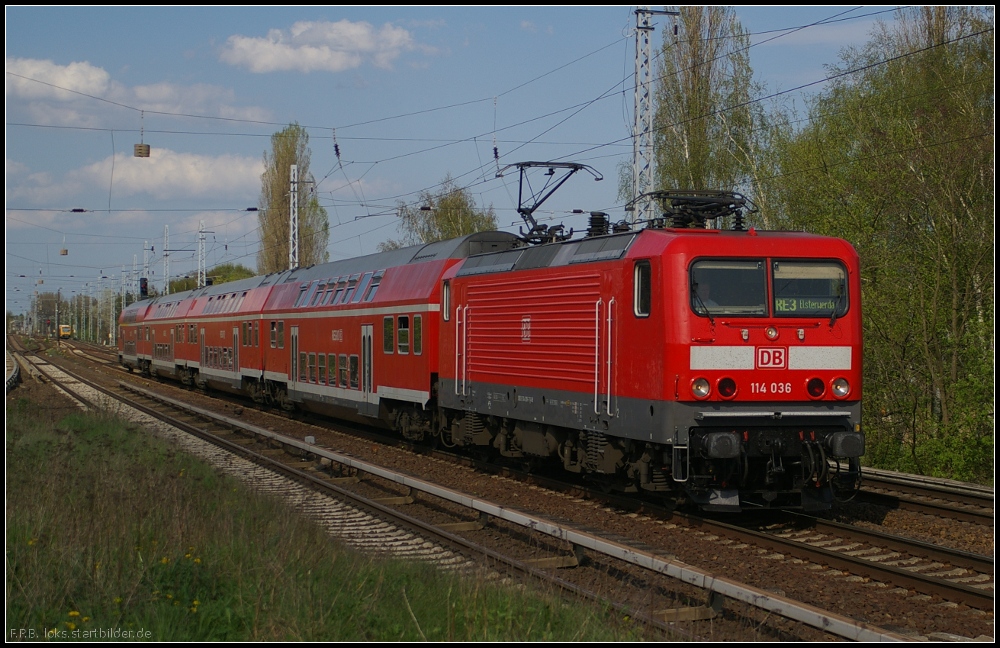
(722, 365)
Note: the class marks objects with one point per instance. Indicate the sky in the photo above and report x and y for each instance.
(406, 95)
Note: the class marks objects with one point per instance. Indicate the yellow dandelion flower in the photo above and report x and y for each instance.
(170, 596)
(196, 602)
(194, 609)
(71, 625)
(32, 541)
(118, 599)
(197, 561)
(164, 560)
(86, 619)
(74, 613)
(188, 556)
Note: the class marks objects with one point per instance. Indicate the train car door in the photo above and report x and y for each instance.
(369, 404)
(461, 348)
(293, 372)
(605, 329)
(236, 350)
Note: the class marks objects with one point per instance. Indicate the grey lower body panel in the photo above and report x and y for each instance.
(654, 421)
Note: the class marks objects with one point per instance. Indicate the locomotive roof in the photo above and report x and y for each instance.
(595, 248)
(603, 248)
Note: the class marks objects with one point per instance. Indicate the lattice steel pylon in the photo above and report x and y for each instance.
(201, 254)
(642, 138)
(293, 220)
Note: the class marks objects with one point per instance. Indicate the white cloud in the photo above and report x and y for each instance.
(45, 103)
(164, 175)
(36, 79)
(167, 174)
(320, 46)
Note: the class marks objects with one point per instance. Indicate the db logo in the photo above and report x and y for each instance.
(772, 357)
(526, 328)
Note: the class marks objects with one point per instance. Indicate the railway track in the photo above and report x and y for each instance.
(941, 497)
(560, 544)
(801, 542)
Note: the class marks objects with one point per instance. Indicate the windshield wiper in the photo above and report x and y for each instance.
(836, 307)
(694, 291)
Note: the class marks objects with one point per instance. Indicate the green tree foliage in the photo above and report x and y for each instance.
(222, 273)
(290, 146)
(449, 213)
(898, 158)
(705, 120)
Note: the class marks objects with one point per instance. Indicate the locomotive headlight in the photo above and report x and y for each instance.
(771, 333)
(700, 388)
(841, 388)
(727, 387)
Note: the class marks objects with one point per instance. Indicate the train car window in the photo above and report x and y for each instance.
(332, 367)
(362, 285)
(256, 333)
(418, 342)
(446, 300)
(319, 295)
(321, 366)
(388, 335)
(337, 295)
(303, 366)
(245, 339)
(281, 334)
(642, 290)
(373, 287)
(302, 296)
(343, 370)
(312, 367)
(404, 334)
(351, 285)
(191, 334)
(354, 372)
(274, 334)
(728, 287)
(809, 288)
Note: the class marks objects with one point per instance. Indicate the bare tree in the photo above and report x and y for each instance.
(704, 117)
(450, 213)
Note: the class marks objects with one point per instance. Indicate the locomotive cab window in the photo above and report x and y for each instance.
(728, 287)
(446, 300)
(809, 289)
(642, 291)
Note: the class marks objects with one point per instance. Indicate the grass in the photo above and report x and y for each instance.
(112, 531)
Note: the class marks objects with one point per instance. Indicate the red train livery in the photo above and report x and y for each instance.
(722, 366)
